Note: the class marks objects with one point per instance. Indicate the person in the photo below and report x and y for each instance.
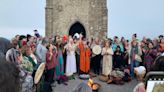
(21, 42)
(96, 59)
(161, 46)
(135, 50)
(64, 43)
(23, 61)
(144, 48)
(36, 33)
(60, 63)
(140, 72)
(118, 58)
(107, 53)
(117, 43)
(29, 55)
(11, 53)
(122, 40)
(150, 56)
(50, 67)
(134, 37)
(160, 38)
(144, 40)
(30, 41)
(71, 60)
(5, 45)
(9, 76)
(157, 66)
(140, 87)
(84, 57)
(33, 54)
(26, 69)
(116, 77)
(77, 55)
(126, 53)
(17, 37)
(41, 51)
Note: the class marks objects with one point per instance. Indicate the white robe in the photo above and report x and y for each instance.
(71, 60)
(107, 61)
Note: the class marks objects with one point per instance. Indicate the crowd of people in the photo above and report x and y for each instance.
(66, 56)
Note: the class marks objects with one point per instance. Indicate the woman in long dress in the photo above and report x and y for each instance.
(60, 63)
(107, 53)
(71, 60)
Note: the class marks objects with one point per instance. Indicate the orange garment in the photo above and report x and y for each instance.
(84, 58)
(162, 47)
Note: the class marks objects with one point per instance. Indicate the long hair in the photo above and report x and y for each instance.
(9, 77)
(158, 64)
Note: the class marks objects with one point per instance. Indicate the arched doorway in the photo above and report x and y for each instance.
(77, 27)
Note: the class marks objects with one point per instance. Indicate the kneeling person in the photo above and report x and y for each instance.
(140, 72)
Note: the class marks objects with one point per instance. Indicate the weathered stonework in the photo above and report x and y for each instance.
(62, 14)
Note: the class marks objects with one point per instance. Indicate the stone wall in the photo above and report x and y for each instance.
(61, 14)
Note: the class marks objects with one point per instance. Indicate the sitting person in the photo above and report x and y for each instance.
(116, 77)
(127, 77)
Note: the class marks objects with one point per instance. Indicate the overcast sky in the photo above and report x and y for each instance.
(144, 17)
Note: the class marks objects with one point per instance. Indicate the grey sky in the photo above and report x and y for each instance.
(22, 13)
(144, 17)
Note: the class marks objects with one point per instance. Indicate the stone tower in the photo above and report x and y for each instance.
(76, 16)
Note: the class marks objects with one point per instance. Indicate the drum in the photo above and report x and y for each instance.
(39, 73)
(96, 50)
